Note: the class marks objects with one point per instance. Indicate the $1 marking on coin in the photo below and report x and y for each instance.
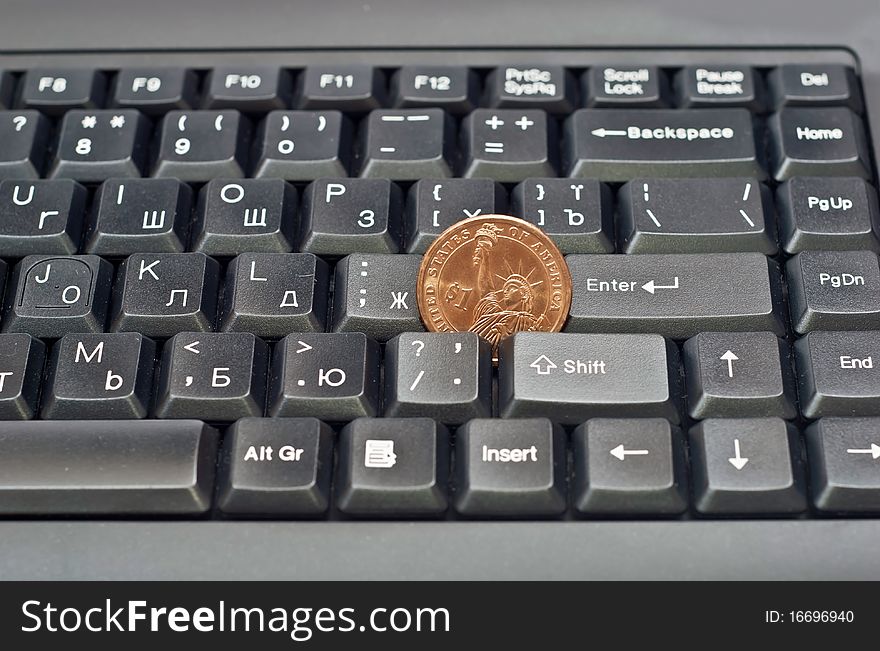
(493, 275)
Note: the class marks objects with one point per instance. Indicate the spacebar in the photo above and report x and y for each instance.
(673, 295)
(106, 467)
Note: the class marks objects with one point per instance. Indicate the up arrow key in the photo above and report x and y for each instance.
(730, 358)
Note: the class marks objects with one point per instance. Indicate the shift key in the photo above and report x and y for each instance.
(573, 377)
(626, 143)
(674, 295)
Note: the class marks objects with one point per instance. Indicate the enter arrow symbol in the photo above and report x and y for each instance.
(874, 451)
(738, 460)
(729, 357)
(602, 132)
(621, 452)
(303, 347)
(652, 287)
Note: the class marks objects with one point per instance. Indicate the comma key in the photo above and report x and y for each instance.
(212, 376)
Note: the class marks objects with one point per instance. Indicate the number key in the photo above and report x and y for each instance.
(97, 145)
(304, 145)
(201, 145)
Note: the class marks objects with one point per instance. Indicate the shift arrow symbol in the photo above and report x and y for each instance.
(738, 460)
(543, 365)
(621, 452)
(874, 451)
(602, 132)
(729, 357)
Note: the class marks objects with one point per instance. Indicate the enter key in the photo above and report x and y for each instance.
(674, 295)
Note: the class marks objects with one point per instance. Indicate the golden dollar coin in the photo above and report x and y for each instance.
(493, 275)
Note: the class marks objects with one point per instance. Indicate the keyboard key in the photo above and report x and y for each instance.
(99, 376)
(273, 294)
(444, 376)
(248, 89)
(155, 91)
(254, 215)
(342, 216)
(573, 377)
(212, 375)
(508, 145)
(405, 145)
(94, 146)
(353, 88)
(619, 145)
(738, 374)
(202, 145)
(21, 369)
(746, 465)
(510, 468)
(54, 91)
(815, 84)
(839, 374)
(332, 376)
(453, 88)
(576, 214)
(106, 467)
(629, 466)
(695, 215)
(719, 86)
(140, 216)
(436, 204)
(844, 456)
(41, 217)
(25, 138)
(615, 86)
(392, 467)
(818, 142)
(834, 290)
(162, 294)
(376, 295)
(50, 296)
(833, 214)
(304, 145)
(7, 85)
(548, 87)
(673, 295)
(276, 466)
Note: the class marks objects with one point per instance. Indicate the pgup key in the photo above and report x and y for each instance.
(51, 296)
(695, 215)
(213, 376)
(444, 376)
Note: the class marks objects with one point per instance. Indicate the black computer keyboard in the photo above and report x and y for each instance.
(210, 266)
